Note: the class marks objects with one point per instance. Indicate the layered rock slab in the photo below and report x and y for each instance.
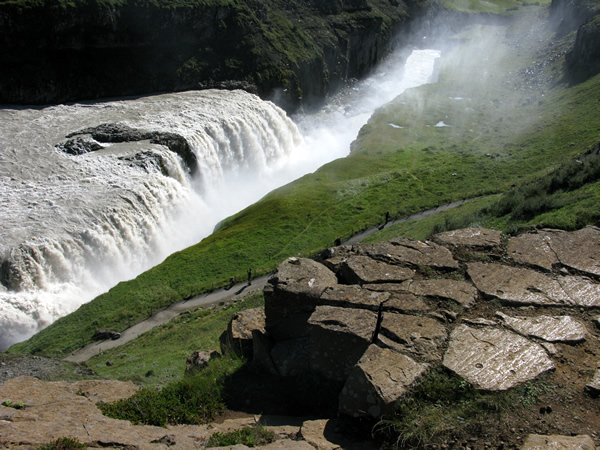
(494, 359)
(411, 253)
(538, 442)
(548, 328)
(363, 269)
(380, 378)
(477, 239)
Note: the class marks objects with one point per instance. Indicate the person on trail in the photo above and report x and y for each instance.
(249, 277)
(387, 217)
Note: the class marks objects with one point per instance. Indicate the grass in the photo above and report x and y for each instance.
(63, 443)
(443, 407)
(170, 345)
(249, 436)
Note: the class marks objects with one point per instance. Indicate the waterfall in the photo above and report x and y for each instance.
(74, 225)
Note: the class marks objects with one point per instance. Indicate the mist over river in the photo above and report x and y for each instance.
(72, 226)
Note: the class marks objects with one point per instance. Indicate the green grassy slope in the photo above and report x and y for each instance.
(511, 120)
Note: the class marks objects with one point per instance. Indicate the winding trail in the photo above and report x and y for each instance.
(221, 295)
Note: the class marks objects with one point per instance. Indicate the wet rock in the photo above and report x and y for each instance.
(579, 250)
(338, 338)
(470, 239)
(421, 337)
(362, 270)
(381, 377)
(293, 295)
(549, 328)
(537, 441)
(412, 253)
(199, 360)
(353, 297)
(238, 336)
(581, 290)
(458, 291)
(78, 146)
(494, 359)
(533, 249)
(516, 285)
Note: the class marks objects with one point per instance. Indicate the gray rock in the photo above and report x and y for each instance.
(538, 442)
(377, 382)
(412, 253)
(293, 295)
(405, 302)
(458, 291)
(421, 337)
(338, 338)
(471, 239)
(291, 357)
(516, 285)
(199, 360)
(548, 328)
(262, 347)
(494, 359)
(583, 291)
(362, 270)
(533, 249)
(353, 297)
(238, 336)
(480, 321)
(593, 387)
(579, 250)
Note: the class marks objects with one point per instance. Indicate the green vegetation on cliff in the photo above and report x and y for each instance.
(495, 121)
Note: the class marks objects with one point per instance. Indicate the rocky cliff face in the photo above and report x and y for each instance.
(497, 311)
(58, 51)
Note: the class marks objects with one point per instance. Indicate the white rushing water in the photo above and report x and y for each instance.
(74, 226)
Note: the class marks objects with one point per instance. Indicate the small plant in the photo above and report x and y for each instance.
(249, 436)
(9, 404)
(63, 443)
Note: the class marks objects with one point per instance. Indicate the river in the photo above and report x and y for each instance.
(75, 225)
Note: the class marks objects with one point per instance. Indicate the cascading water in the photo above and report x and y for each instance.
(75, 225)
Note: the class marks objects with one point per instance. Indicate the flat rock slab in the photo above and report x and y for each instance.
(579, 250)
(533, 249)
(593, 387)
(421, 337)
(378, 381)
(540, 442)
(323, 434)
(549, 328)
(338, 338)
(470, 238)
(515, 285)
(494, 359)
(460, 292)
(412, 253)
(353, 297)
(362, 270)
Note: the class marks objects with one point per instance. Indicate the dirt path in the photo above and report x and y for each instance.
(220, 296)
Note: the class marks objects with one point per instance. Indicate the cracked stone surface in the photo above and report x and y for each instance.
(353, 297)
(471, 238)
(378, 380)
(533, 249)
(421, 337)
(412, 253)
(548, 328)
(460, 292)
(494, 359)
(578, 249)
(362, 270)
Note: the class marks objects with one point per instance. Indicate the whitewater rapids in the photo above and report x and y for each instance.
(72, 226)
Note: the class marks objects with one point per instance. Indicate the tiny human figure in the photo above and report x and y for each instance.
(337, 242)
(387, 216)
(249, 277)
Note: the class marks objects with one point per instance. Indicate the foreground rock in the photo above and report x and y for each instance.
(376, 317)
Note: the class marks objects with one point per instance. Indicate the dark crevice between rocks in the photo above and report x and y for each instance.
(118, 133)
(377, 329)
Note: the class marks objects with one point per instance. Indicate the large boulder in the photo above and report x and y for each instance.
(238, 337)
(380, 378)
(338, 339)
(199, 360)
(293, 294)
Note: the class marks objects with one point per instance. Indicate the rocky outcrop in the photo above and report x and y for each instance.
(239, 334)
(376, 317)
(89, 139)
(59, 51)
(583, 59)
(536, 441)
